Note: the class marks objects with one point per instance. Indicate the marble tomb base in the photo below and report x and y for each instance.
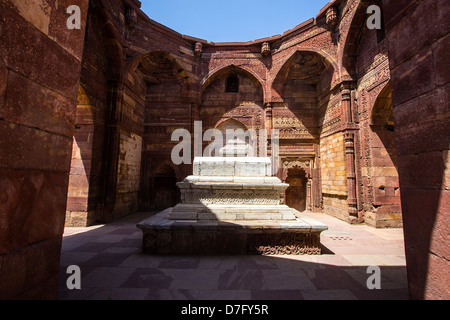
(231, 206)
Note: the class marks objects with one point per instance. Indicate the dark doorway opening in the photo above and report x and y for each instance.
(166, 192)
(296, 193)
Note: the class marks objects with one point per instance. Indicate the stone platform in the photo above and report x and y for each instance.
(231, 206)
(162, 235)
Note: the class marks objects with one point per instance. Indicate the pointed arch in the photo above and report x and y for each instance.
(230, 69)
(382, 110)
(232, 123)
(353, 36)
(277, 86)
(154, 64)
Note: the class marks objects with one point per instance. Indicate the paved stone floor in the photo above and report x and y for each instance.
(113, 267)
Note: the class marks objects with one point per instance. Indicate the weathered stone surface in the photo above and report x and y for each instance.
(39, 107)
(27, 148)
(162, 235)
(38, 87)
(421, 113)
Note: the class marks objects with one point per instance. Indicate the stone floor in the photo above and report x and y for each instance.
(113, 267)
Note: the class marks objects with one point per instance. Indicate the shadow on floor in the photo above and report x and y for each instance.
(113, 267)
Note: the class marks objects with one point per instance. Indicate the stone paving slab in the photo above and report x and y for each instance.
(119, 270)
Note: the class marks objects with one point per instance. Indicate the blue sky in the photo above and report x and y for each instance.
(232, 20)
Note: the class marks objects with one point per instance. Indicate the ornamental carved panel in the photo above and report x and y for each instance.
(231, 197)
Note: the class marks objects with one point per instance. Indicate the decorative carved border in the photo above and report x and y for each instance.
(283, 244)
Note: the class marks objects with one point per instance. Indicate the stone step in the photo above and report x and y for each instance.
(164, 236)
(231, 212)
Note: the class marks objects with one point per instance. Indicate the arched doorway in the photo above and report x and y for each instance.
(296, 194)
(165, 190)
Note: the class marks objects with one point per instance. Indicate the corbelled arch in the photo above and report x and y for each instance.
(277, 84)
(157, 66)
(229, 69)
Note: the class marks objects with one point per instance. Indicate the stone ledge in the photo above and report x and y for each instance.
(164, 236)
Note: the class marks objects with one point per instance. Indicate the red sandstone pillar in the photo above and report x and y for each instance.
(347, 120)
(309, 191)
(351, 175)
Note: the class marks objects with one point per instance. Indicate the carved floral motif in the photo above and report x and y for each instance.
(230, 197)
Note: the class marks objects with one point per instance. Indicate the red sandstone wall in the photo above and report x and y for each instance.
(418, 33)
(129, 115)
(380, 194)
(39, 71)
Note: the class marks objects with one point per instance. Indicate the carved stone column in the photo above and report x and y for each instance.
(349, 137)
(351, 175)
(268, 125)
(309, 191)
(346, 96)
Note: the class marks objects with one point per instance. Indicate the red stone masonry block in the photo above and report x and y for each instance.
(441, 231)
(442, 61)
(29, 104)
(30, 272)
(430, 23)
(422, 171)
(436, 278)
(37, 218)
(32, 54)
(77, 204)
(394, 10)
(3, 81)
(431, 133)
(69, 40)
(27, 148)
(421, 206)
(413, 78)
